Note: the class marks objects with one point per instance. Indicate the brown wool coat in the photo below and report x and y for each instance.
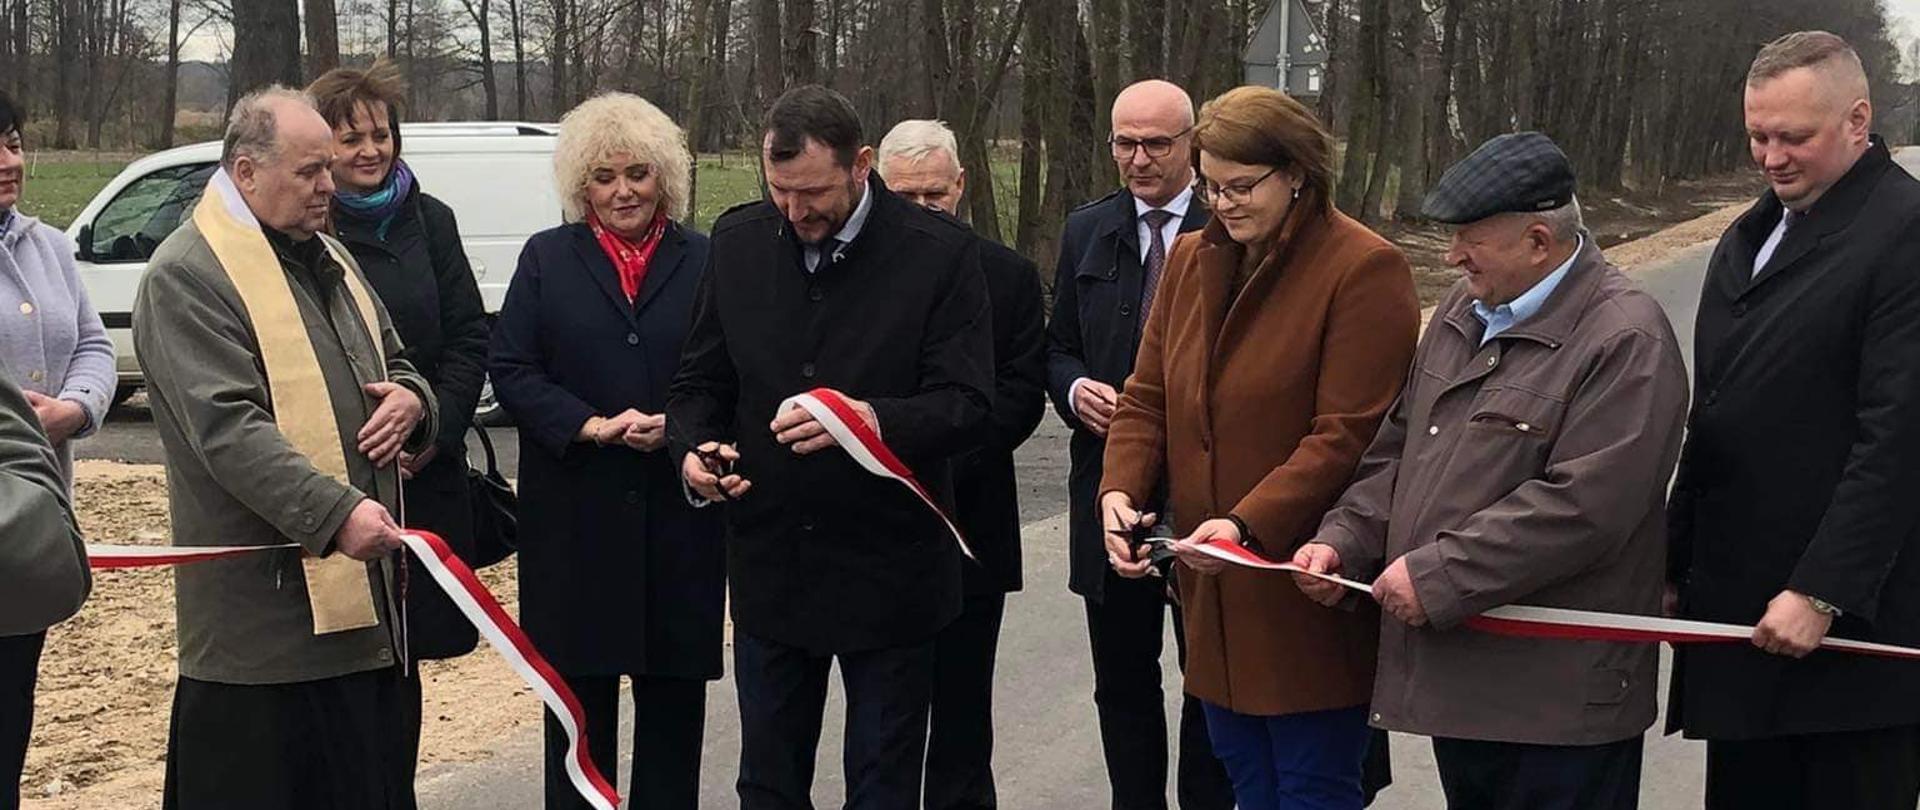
(1262, 410)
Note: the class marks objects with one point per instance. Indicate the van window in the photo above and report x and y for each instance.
(146, 212)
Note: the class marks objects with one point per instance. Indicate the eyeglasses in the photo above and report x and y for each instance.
(1123, 147)
(1236, 193)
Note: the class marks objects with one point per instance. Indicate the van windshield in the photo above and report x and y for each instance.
(130, 227)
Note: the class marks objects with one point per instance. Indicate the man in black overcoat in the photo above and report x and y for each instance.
(1797, 503)
(920, 161)
(832, 282)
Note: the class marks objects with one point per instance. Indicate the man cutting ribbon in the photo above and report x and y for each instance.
(281, 402)
(1525, 462)
(837, 283)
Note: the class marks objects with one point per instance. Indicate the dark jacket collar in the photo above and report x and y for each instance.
(1562, 312)
(1834, 211)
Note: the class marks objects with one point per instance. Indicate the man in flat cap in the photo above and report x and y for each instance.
(1525, 463)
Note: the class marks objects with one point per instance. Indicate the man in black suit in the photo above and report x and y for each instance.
(1111, 257)
(834, 282)
(1794, 507)
(920, 162)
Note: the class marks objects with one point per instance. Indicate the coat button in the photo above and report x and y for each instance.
(1433, 430)
(26, 308)
(1126, 309)
(806, 370)
(633, 497)
(1712, 397)
(815, 294)
(1493, 360)
(1523, 427)
(1740, 310)
(1376, 717)
(38, 376)
(633, 339)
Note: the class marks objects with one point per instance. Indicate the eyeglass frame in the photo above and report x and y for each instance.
(1139, 144)
(1237, 194)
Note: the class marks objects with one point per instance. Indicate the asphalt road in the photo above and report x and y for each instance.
(1048, 753)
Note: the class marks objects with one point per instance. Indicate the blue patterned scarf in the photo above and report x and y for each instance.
(381, 205)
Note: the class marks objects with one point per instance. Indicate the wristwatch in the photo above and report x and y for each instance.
(1821, 606)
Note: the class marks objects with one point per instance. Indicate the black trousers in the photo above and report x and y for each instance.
(1480, 775)
(1857, 770)
(1125, 628)
(669, 722)
(333, 744)
(19, 670)
(783, 692)
(960, 735)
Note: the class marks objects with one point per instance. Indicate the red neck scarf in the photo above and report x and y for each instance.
(629, 258)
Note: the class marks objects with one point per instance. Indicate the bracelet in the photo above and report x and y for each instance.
(1246, 534)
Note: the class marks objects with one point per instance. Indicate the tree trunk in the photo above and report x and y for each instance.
(1110, 66)
(323, 38)
(393, 28)
(92, 42)
(936, 61)
(696, 117)
(520, 111)
(266, 46)
(1414, 56)
(1148, 19)
(489, 83)
(66, 59)
(23, 53)
(802, 63)
(769, 50)
(1366, 130)
(1440, 144)
(1030, 217)
(715, 128)
(559, 56)
(170, 92)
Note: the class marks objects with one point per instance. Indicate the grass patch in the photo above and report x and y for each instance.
(56, 190)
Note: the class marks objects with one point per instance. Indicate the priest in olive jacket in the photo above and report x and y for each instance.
(282, 402)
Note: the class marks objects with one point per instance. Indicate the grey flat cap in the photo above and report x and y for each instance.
(1520, 171)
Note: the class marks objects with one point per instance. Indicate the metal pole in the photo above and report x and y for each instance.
(1284, 60)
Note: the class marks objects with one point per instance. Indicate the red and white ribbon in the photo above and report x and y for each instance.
(1566, 623)
(104, 557)
(831, 409)
(473, 599)
(504, 635)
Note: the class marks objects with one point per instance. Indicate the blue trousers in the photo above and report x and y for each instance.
(1307, 761)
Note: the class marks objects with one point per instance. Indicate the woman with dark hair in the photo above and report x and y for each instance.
(1280, 335)
(54, 348)
(408, 246)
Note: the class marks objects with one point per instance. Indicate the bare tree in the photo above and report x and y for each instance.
(266, 46)
(769, 49)
(479, 11)
(323, 38)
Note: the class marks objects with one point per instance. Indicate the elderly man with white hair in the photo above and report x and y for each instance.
(282, 403)
(920, 162)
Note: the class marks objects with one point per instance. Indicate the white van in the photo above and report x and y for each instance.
(497, 178)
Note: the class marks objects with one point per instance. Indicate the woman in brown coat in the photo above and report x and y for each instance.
(1279, 337)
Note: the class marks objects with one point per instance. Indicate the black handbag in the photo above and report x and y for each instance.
(496, 524)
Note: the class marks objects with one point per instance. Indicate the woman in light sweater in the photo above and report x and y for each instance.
(52, 343)
(54, 349)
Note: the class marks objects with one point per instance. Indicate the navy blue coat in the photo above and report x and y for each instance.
(1095, 333)
(618, 574)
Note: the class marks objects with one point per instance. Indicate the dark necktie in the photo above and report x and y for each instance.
(1156, 258)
